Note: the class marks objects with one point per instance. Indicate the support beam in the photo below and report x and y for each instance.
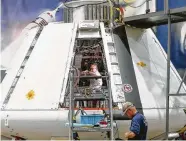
(71, 106)
(182, 94)
(184, 76)
(166, 6)
(147, 6)
(166, 10)
(152, 19)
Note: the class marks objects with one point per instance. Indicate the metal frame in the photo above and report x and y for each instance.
(73, 97)
(167, 12)
(147, 6)
(148, 20)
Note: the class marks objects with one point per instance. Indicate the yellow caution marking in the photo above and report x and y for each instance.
(142, 64)
(30, 95)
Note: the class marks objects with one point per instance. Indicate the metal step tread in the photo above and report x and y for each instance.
(116, 74)
(95, 129)
(88, 37)
(112, 53)
(94, 97)
(91, 77)
(110, 43)
(114, 63)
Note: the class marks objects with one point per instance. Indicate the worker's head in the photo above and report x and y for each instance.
(129, 109)
(93, 68)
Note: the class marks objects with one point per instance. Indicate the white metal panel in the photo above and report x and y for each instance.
(37, 125)
(45, 69)
(16, 60)
(151, 79)
(9, 52)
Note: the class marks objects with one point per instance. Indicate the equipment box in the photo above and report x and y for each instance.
(91, 119)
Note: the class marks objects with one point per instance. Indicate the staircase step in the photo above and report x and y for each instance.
(110, 43)
(98, 129)
(91, 77)
(112, 53)
(114, 63)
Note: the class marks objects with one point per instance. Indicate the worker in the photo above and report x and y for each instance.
(139, 125)
(96, 83)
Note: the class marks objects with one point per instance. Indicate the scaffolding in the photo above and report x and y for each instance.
(148, 20)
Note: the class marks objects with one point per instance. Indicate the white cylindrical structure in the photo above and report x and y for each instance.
(76, 11)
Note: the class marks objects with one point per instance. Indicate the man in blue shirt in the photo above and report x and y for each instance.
(139, 125)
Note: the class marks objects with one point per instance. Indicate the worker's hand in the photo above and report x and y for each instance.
(126, 135)
(91, 73)
(130, 135)
(85, 72)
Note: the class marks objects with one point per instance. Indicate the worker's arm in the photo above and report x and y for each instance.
(134, 129)
(130, 135)
(92, 73)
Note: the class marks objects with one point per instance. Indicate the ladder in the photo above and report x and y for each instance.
(18, 75)
(95, 34)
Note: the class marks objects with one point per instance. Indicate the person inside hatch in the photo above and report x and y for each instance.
(96, 83)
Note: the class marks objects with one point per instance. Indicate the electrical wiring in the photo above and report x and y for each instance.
(83, 4)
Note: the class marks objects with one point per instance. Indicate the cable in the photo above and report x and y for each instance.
(117, 130)
(129, 1)
(83, 4)
(138, 5)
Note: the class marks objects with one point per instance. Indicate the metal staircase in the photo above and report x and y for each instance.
(113, 65)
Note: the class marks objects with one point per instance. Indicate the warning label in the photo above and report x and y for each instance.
(127, 88)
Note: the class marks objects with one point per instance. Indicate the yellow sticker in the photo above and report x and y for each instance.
(74, 118)
(30, 95)
(142, 64)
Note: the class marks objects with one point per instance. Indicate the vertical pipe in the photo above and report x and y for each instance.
(68, 15)
(94, 12)
(71, 107)
(101, 11)
(108, 13)
(98, 12)
(90, 12)
(166, 6)
(168, 66)
(147, 6)
(86, 12)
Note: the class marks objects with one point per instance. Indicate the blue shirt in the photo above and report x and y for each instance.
(139, 126)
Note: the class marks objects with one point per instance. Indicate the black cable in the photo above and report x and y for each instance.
(117, 131)
(138, 5)
(83, 4)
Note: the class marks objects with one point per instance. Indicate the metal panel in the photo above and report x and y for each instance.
(17, 59)
(45, 70)
(151, 77)
(126, 65)
(156, 18)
